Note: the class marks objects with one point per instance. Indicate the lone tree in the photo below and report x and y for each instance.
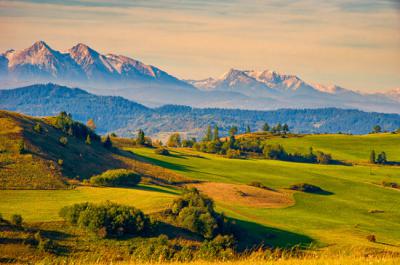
(140, 137)
(266, 127)
(216, 134)
(376, 129)
(90, 123)
(372, 157)
(107, 143)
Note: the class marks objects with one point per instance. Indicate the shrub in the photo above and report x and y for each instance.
(60, 162)
(221, 247)
(155, 249)
(323, 158)
(232, 153)
(107, 219)
(161, 151)
(116, 178)
(37, 128)
(304, 187)
(259, 185)
(371, 238)
(390, 184)
(196, 213)
(63, 140)
(21, 146)
(16, 219)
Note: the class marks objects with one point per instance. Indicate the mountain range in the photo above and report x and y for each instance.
(125, 117)
(110, 74)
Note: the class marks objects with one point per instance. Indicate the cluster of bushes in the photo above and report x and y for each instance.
(161, 151)
(116, 178)
(160, 249)
(196, 213)
(277, 152)
(107, 219)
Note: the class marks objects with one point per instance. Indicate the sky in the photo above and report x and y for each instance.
(351, 43)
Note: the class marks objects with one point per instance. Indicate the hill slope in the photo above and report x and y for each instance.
(44, 163)
(124, 116)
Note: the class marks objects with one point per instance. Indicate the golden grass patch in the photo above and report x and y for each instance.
(245, 195)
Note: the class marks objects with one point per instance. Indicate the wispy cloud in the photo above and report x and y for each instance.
(323, 41)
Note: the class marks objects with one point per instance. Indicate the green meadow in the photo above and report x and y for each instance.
(44, 205)
(354, 206)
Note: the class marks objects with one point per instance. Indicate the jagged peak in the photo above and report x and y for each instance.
(82, 50)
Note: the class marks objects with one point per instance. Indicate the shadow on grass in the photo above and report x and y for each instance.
(162, 163)
(156, 189)
(252, 235)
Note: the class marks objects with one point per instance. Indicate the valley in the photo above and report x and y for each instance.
(254, 193)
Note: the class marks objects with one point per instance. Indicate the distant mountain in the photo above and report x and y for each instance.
(81, 65)
(116, 114)
(291, 91)
(110, 74)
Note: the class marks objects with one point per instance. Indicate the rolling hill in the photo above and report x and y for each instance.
(125, 117)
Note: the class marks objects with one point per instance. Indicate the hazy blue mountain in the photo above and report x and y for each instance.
(117, 114)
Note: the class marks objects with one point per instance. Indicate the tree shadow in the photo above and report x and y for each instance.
(156, 189)
(251, 235)
(162, 163)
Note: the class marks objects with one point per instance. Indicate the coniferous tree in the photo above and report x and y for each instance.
(266, 127)
(107, 143)
(208, 135)
(88, 140)
(248, 129)
(140, 137)
(216, 134)
(285, 128)
(372, 157)
(279, 127)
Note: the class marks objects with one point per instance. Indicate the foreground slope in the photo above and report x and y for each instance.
(37, 160)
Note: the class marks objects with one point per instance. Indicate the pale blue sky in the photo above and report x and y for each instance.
(353, 43)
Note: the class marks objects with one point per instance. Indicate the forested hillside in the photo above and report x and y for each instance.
(116, 114)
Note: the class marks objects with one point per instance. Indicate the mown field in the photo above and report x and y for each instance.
(343, 217)
(44, 205)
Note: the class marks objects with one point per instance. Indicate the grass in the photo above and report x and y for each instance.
(341, 219)
(352, 148)
(291, 261)
(44, 205)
